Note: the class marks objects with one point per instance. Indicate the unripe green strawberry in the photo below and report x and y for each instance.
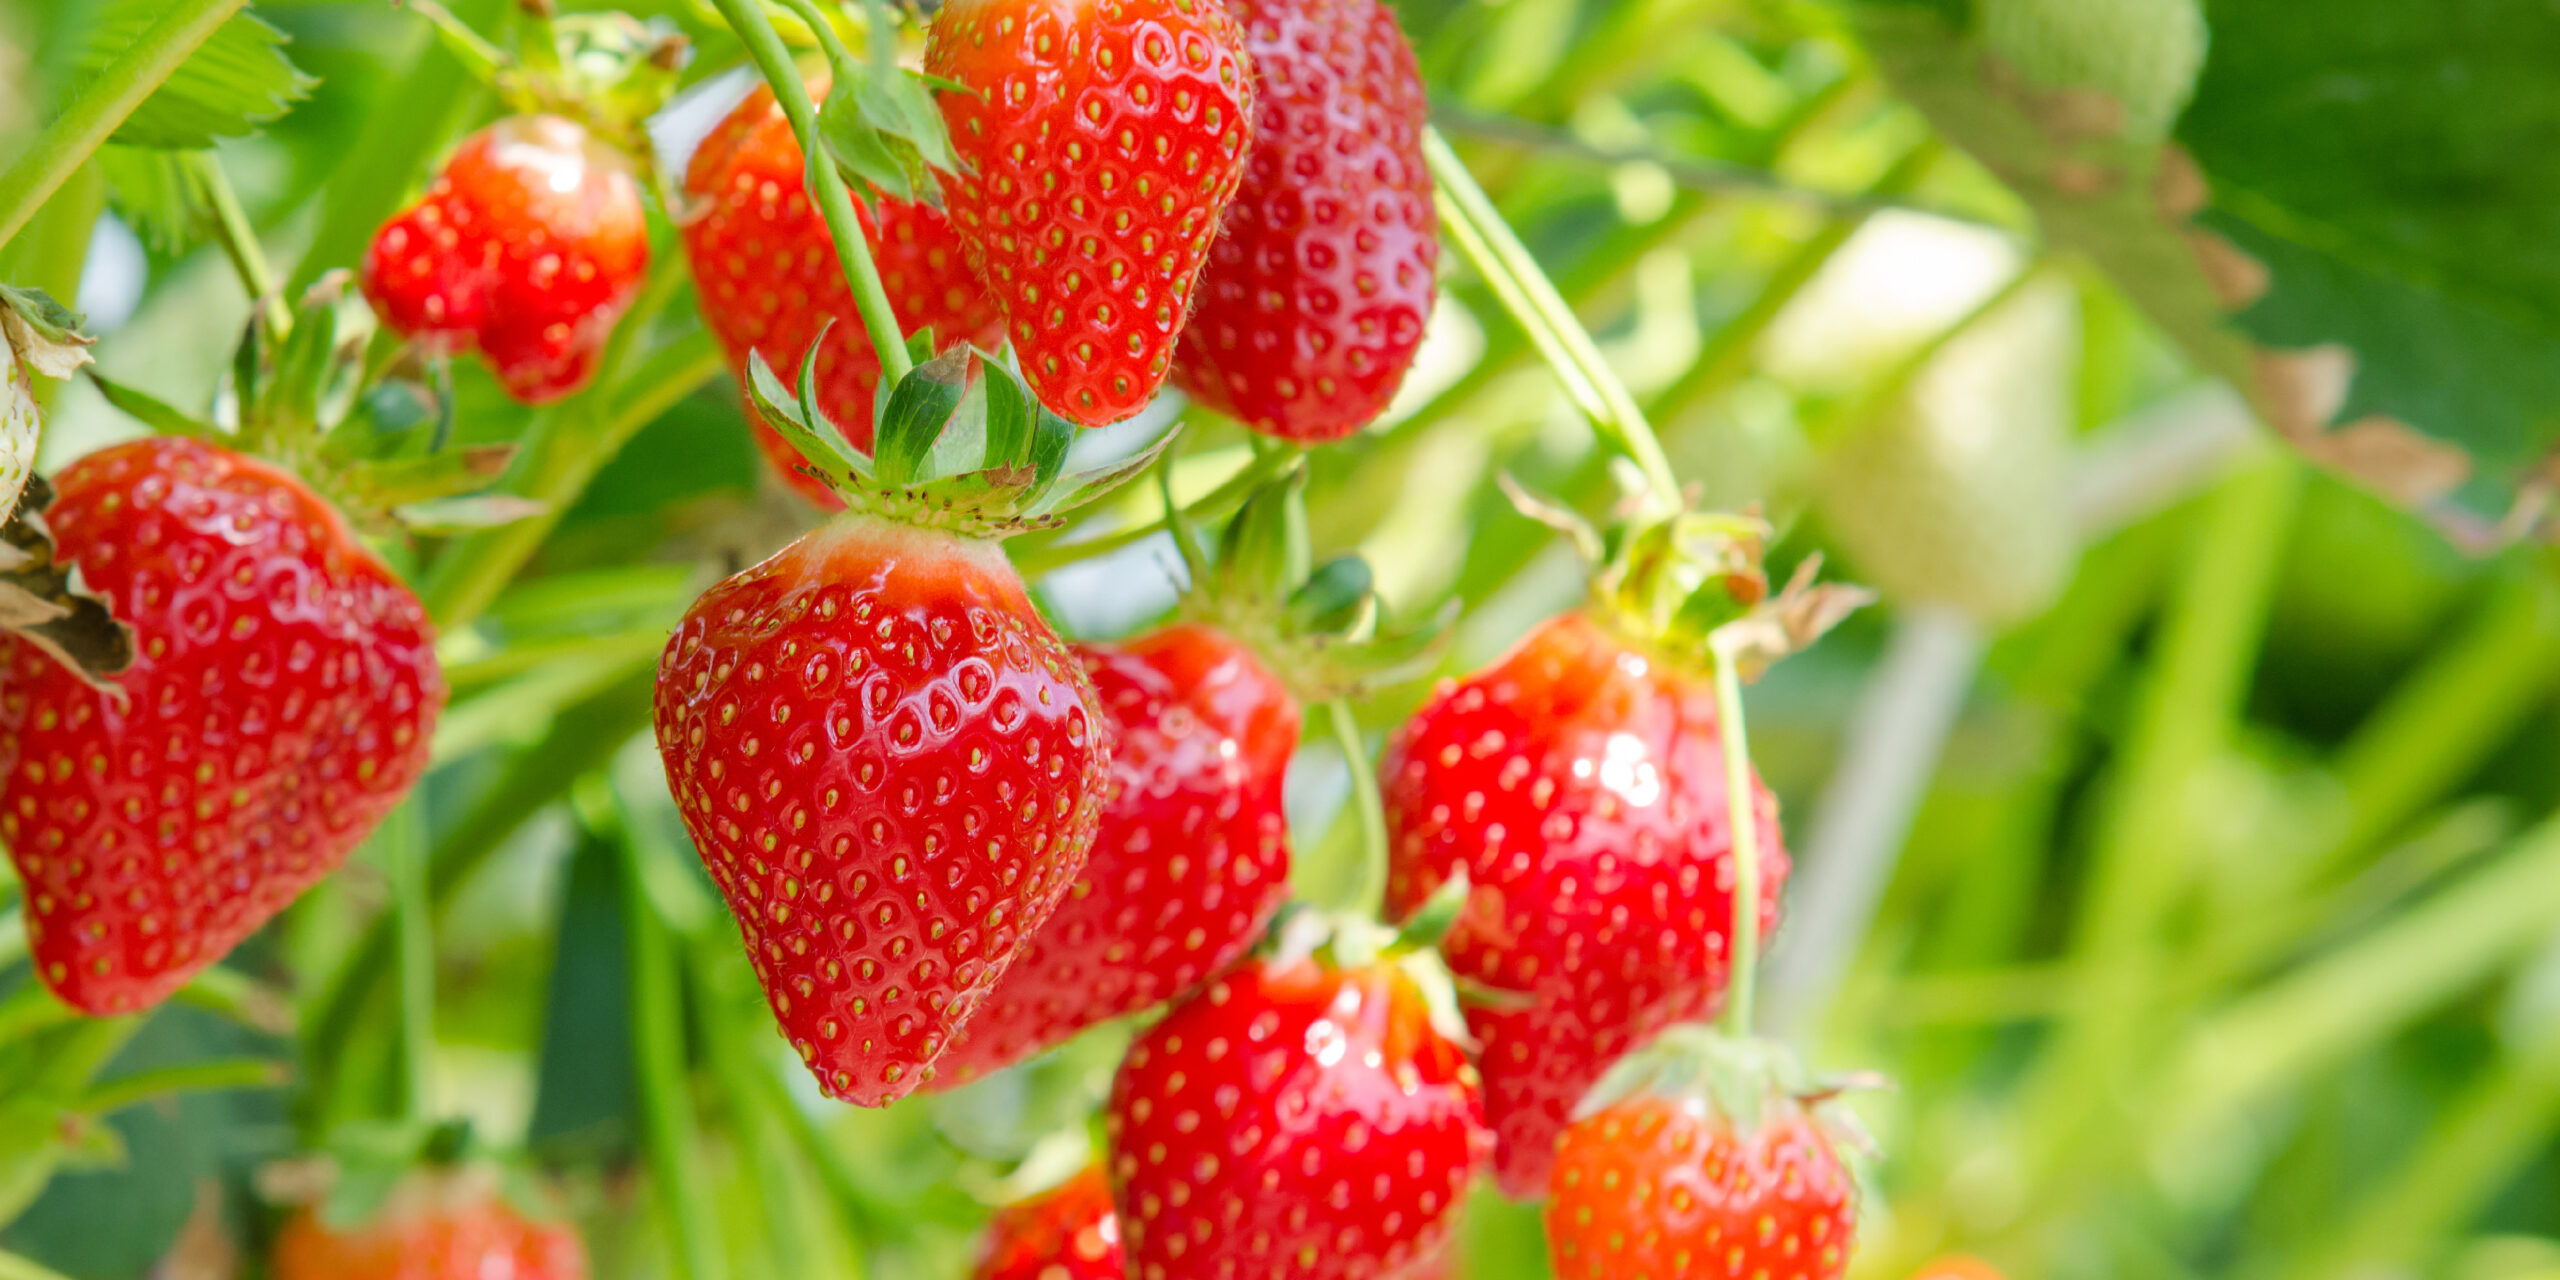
(2143, 54)
(1956, 490)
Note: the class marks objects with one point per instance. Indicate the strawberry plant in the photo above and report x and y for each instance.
(1183, 639)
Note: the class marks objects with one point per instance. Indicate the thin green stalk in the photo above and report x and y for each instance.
(835, 202)
(239, 240)
(1743, 973)
(763, 1143)
(413, 935)
(104, 103)
(837, 1177)
(1477, 227)
(1369, 888)
(485, 61)
(1032, 555)
(213, 1075)
(667, 1125)
(240, 998)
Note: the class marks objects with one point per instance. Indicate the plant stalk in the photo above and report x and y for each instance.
(239, 241)
(103, 104)
(1369, 888)
(1471, 220)
(826, 186)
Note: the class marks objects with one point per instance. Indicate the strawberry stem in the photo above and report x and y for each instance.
(239, 240)
(1521, 285)
(1743, 972)
(1369, 888)
(102, 105)
(482, 59)
(826, 186)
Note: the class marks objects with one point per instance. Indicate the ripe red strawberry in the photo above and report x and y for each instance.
(1313, 305)
(1650, 1186)
(1104, 140)
(527, 248)
(1191, 860)
(1581, 785)
(280, 704)
(766, 270)
(1293, 1118)
(893, 770)
(434, 1227)
(1069, 1233)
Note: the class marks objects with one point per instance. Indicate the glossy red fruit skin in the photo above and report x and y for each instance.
(1313, 305)
(1069, 1233)
(527, 248)
(1293, 1119)
(1192, 858)
(280, 704)
(893, 770)
(430, 1232)
(1582, 786)
(765, 269)
(1104, 142)
(1655, 1187)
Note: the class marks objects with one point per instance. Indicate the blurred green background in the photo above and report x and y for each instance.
(2175, 834)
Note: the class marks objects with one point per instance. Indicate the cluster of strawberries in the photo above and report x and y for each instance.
(952, 840)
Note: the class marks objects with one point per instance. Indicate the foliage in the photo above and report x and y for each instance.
(2201, 916)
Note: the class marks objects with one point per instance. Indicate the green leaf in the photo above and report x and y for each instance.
(237, 80)
(831, 459)
(444, 517)
(152, 192)
(2355, 220)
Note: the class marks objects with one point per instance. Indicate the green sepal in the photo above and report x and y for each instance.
(401, 482)
(960, 444)
(919, 411)
(467, 513)
(1324, 630)
(162, 417)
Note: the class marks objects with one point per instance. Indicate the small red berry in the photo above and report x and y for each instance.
(892, 770)
(435, 1227)
(1293, 1119)
(1103, 140)
(527, 248)
(1580, 784)
(280, 704)
(1656, 1187)
(1069, 1233)
(1192, 858)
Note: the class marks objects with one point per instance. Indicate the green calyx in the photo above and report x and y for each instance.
(1680, 585)
(1344, 940)
(368, 1170)
(959, 444)
(1321, 627)
(608, 71)
(312, 394)
(881, 125)
(1741, 1079)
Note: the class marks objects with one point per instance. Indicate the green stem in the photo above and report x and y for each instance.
(485, 62)
(826, 186)
(667, 1123)
(239, 240)
(30, 1009)
(211, 1076)
(1477, 227)
(1033, 555)
(104, 103)
(413, 937)
(240, 998)
(1369, 888)
(1743, 973)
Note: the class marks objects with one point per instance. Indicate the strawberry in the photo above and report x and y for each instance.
(893, 770)
(1069, 1233)
(527, 248)
(1192, 858)
(1293, 1117)
(1957, 1266)
(436, 1226)
(1102, 140)
(768, 277)
(1671, 1188)
(280, 704)
(1313, 304)
(1580, 784)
